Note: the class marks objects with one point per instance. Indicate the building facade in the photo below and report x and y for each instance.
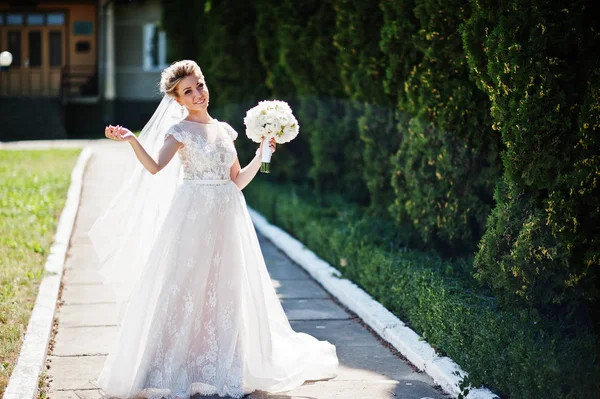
(44, 38)
(79, 64)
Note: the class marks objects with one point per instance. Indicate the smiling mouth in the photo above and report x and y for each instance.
(201, 102)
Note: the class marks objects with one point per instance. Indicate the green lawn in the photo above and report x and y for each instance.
(33, 191)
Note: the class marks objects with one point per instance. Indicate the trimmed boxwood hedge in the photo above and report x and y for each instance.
(513, 352)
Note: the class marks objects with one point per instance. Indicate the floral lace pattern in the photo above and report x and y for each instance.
(208, 150)
(198, 349)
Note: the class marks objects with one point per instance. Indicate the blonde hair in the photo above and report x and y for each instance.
(173, 74)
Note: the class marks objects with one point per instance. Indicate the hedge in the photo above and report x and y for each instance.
(183, 29)
(515, 353)
(362, 67)
(448, 163)
(323, 110)
(539, 65)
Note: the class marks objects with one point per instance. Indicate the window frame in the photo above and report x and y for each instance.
(147, 36)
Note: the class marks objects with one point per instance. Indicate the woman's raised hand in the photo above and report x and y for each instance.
(118, 133)
(271, 142)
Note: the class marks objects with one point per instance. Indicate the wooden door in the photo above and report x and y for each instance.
(38, 49)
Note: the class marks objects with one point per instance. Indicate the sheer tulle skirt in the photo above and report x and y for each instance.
(205, 318)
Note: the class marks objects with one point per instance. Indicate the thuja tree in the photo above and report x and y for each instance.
(181, 21)
(538, 63)
(362, 65)
(308, 56)
(400, 56)
(447, 164)
(292, 161)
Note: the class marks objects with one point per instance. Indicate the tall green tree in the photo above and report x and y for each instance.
(400, 56)
(307, 57)
(538, 63)
(362, 65)
(447, 164)
(180, 19)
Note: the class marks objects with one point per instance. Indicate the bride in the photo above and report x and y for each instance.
(198, 312)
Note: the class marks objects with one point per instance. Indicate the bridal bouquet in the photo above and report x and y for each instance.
(270, 119)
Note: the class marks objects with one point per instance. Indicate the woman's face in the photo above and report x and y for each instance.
(193, 93)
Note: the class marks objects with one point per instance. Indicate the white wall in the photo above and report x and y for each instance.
(134, 79)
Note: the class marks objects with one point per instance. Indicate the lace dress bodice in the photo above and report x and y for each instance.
(208, 151)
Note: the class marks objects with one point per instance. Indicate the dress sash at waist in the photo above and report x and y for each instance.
(209, 182)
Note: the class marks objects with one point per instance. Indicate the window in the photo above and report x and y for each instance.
(35, 48)
(85, 28)
(32, 19)
(14, 46)
(14, 19)
(56, 48)
(35, 19)
(155, 48)
(56, 19)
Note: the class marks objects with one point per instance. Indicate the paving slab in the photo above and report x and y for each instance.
(81, 258)
(287, 273)
(271, 253)
(313, 309)
(88, 315)
(78, 342)
(80, 239)
(82, 276)
(76, 372)
(359, 363)
(278, 262)
(274, 257)
(78, 394)
(300, 289)
(338, 332)
(77, 294)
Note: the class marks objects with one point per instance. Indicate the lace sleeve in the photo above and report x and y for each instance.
(176, 132)
(231, 131)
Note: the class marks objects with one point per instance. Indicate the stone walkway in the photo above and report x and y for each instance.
(86, 318)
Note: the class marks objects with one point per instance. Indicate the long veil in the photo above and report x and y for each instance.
(124, 234)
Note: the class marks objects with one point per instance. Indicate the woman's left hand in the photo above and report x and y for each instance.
(272, 144)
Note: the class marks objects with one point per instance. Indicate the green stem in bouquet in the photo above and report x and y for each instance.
(266, 158)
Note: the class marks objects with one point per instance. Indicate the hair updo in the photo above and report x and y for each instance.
(173, 74)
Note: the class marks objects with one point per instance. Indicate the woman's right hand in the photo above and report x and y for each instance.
(118, 133)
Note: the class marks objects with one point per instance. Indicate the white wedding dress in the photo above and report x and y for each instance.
(204, 318)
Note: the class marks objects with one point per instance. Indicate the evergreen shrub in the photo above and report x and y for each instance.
(538, 63)
(448, 162)
(303, 33)
(362, 68)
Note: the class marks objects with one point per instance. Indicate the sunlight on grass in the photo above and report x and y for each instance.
(33, 191)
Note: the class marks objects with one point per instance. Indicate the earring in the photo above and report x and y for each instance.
(182, 110)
